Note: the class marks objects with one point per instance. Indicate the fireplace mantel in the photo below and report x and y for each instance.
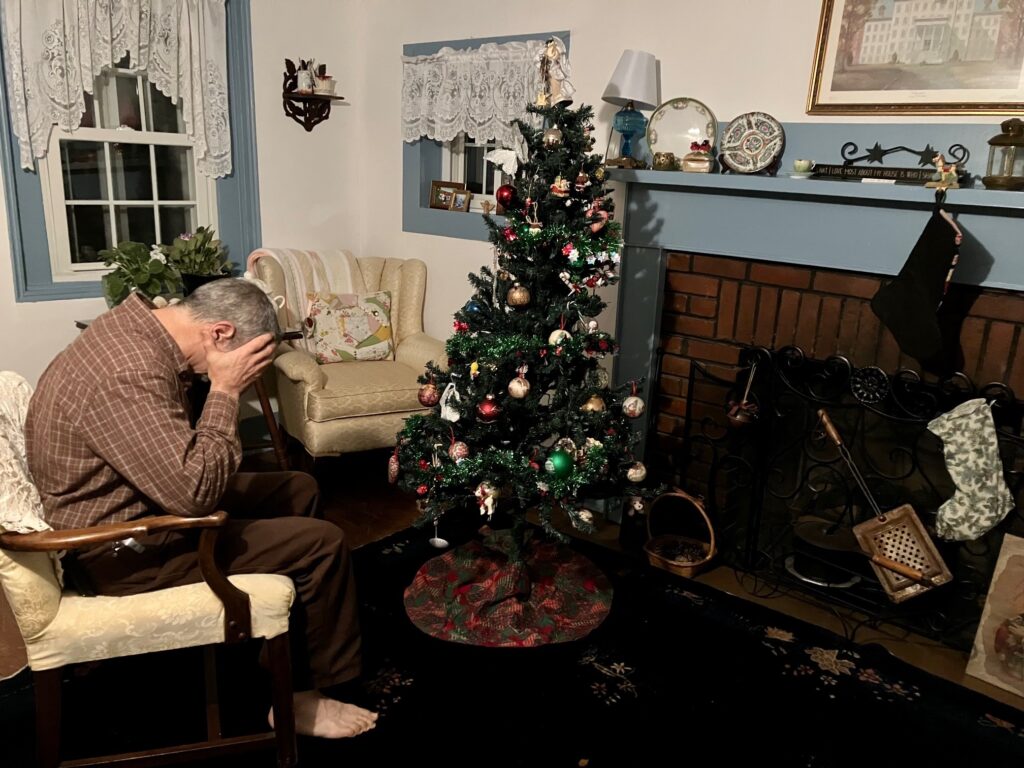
(839, 225)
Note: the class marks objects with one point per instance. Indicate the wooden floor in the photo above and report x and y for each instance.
(358, 497)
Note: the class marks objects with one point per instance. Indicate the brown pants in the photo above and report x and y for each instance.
(271, 529)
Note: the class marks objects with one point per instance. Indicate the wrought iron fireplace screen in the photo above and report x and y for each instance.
(785, 506)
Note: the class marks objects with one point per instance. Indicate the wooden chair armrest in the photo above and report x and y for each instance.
(76, 538)
(237, 614)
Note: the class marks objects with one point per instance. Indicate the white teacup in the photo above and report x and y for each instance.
(803, 166)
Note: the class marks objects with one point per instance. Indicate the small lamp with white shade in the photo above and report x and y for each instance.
(634, 86)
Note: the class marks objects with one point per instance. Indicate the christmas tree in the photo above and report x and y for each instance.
(522, 415)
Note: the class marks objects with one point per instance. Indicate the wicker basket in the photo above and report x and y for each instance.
(681, 555)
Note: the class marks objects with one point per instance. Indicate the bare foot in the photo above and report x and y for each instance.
(317, 715)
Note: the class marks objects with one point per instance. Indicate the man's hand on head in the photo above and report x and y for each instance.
(233, 371)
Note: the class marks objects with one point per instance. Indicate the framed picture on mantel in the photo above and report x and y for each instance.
(918, 57)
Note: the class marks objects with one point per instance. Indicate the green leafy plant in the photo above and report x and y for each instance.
(137, 268)
(197, 253)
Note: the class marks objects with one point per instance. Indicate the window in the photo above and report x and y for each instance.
(128, 173)
(462, 159)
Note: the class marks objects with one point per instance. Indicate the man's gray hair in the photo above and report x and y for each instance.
(238, 302)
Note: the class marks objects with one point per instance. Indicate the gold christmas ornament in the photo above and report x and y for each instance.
(594, 404)
(598, 378)
(558, 336)
(518, 295)
(552, 138)
(519, 387)
(599, 173)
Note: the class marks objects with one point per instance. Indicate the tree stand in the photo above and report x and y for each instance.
(508, 591)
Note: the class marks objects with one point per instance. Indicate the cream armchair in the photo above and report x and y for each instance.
(60, 627)
(353, 406)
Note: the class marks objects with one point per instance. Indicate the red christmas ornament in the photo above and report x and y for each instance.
(505, 194)
(488, 410)
(424, 463)
(567, 249)
(422, 490)
(459, 327)
(510, 235)
(428, 395)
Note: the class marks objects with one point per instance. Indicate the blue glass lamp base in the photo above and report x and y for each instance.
(629, 123)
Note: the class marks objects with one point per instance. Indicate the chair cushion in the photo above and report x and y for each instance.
(350, 327)
(364, 389)
(93, 628)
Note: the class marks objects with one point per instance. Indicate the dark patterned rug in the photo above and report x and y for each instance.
(676, 674)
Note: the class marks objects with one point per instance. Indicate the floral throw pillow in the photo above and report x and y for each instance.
(345, 327)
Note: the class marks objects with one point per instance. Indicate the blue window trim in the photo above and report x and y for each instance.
(237, 195)
(421, 160)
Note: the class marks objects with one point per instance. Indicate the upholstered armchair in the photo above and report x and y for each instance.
(344, 407)
(60, 627)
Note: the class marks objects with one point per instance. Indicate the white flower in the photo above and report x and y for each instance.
(156, 253)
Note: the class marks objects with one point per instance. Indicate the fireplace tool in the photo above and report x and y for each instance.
(903, 555)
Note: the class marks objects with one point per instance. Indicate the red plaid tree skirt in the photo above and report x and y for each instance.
(475, 595)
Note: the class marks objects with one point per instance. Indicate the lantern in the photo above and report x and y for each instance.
(1006, 157)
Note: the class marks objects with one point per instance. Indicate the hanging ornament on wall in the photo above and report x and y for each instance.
(552, 138)
(558, 463)
(428, 395)
(634, 405)
(519, 387)
(393, 467)
(488, 409)
(505, 194)
(594, 404)
(637, 472)
(518, 295)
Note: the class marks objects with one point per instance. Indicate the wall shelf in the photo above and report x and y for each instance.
(309, 109)
(835, 191)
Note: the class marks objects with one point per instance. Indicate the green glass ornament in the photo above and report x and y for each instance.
(559, 463)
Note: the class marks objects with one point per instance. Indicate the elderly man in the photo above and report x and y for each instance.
(109, 439)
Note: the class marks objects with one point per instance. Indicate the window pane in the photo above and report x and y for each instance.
(84, 169)
(164, 116)
(474, 169)
(88, 232)
(174, 173)
(132, 178)
(119, 101)
(176, 219)
(135, 223)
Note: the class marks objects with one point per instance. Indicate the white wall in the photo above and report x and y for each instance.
(309, 189)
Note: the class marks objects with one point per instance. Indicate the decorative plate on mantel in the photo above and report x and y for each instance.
(677, 123)
(752, 142)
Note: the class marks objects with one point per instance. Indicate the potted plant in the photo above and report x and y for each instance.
(137, 268)
(198, 258)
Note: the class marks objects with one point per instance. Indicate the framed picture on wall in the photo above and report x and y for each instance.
(441, 193)
(998, 653)
(913, 57)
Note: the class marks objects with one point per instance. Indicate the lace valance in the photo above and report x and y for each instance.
(476, 90)
(54, 50)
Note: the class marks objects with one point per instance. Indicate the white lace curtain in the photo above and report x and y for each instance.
(476, 90)
(54, 50)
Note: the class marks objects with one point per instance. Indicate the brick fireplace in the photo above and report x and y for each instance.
(715, 306)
